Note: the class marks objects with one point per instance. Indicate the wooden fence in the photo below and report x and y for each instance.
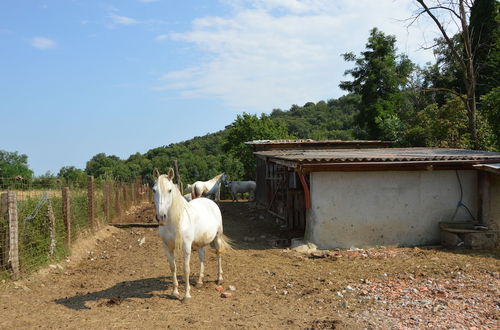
(40, 227)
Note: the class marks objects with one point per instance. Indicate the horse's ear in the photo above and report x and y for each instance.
(170, 173)
(156, 173)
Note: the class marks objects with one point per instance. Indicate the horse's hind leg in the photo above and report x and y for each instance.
(173, 269)
(201, 255)
(218, 251)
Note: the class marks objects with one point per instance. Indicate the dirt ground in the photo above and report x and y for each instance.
(121, 279)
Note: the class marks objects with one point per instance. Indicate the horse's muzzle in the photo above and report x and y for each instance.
(161, 218)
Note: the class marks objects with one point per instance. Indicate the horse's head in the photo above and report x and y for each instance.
(225, 180)
(163, 193)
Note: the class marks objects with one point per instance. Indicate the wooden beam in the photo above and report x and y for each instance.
(130, 225)
(389, 166)
(307, 196)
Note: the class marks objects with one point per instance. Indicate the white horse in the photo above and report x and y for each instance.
(210, 188)
(236, 187)
(183, 226)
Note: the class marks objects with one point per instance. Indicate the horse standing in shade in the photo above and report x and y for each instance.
(236, 187)
(207, 188)
(185, 225)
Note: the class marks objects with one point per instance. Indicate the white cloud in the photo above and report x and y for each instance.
(43, 43)
(162, 37)
(275, 53)
(123, 20)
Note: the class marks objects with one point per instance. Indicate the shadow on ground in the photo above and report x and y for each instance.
(144, 288)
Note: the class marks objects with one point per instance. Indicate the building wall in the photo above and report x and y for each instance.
(390, 208)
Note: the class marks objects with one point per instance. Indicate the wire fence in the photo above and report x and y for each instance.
(38, 223)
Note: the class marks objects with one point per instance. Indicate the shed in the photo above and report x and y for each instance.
(338, 196)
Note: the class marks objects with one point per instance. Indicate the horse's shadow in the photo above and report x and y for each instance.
(144, 288)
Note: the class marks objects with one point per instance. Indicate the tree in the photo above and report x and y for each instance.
(248, 127)
(491, 106)
(459, 12)
(72, 176)
(102, 166)
(379, 77)
(13, 164)
(485, 33)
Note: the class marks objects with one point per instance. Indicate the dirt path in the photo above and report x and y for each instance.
(122, 280)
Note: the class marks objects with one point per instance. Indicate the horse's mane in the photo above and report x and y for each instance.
(176, 208)
(216, 178)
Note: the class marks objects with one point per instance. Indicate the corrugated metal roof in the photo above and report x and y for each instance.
(493, 168)
(316, 142)
(261, 145)
(379, 155)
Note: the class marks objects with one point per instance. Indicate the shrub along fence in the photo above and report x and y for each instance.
(39, 224)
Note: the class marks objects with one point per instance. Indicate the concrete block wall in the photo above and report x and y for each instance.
(389, 208)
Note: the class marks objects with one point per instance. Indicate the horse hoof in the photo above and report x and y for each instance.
(198, 284)
(186, 300)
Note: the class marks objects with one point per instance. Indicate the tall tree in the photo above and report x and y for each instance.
(379, 77)
(485, 33)
(72, 175)
(249, 127)
(442, 13)
(102, 166)
(13, 164)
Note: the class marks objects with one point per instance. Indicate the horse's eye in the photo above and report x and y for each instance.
(170, 190)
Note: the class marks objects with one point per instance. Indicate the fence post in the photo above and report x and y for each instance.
(52, 227)
(125, 196)
(66, 216)
(132, 193)
(90, 201)
(117, 201)
(138, 190)
(13, 233)
(106, 199)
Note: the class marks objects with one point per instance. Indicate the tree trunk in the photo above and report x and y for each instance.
(470, 76)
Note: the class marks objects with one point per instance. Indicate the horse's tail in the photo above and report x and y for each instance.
(225, 244)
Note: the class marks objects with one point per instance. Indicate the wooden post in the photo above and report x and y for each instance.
(118, 209)
(125, 196)
(134, 193)
(107, 199)
(13, 234)
(90, 202)
(66, 216)
(138, 190)
(52, 226)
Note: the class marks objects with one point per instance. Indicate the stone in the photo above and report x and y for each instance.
(305, 248)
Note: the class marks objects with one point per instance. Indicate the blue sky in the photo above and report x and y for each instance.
(82, 77)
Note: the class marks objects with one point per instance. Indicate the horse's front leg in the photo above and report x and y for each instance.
(187, 269)
(173, 269)
(201, 255)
